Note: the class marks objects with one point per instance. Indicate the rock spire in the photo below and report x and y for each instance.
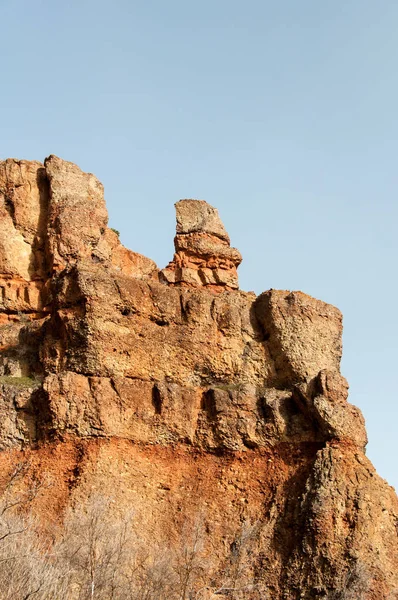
(203, 255)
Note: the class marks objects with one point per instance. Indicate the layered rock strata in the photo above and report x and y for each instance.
(115, 375)
(203, 256)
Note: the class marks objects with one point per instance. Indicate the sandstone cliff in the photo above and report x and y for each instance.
(177, 393)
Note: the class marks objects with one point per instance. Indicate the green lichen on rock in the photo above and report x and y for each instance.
(21, 382)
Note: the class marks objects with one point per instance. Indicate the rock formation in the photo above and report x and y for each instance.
(203, 256)
(176, 389)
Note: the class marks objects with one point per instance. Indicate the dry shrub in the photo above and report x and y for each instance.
(103, 555)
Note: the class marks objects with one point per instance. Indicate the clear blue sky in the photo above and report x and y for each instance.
(282, 114)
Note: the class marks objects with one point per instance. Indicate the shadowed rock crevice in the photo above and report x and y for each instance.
(156, 400)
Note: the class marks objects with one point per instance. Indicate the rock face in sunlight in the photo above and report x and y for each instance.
(176, 393)
(203, 256)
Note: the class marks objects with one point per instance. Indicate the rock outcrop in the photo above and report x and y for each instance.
(115, 375)
(203, 256)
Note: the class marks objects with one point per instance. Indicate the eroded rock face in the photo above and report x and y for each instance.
(203, 256)
(23, 215)
(304, 334)
(179, 381)
(75, 198)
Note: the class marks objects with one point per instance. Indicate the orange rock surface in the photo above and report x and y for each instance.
(173, 391)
